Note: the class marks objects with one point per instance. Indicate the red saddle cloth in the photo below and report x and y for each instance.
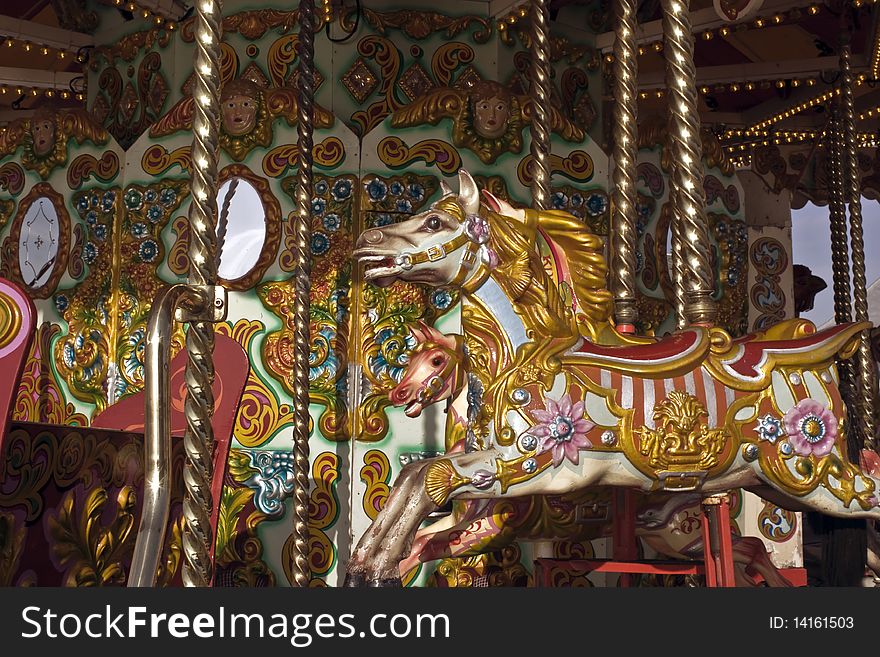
(669, 348)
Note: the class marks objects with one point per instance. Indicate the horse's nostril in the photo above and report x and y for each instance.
(401, 394)
(373, 236)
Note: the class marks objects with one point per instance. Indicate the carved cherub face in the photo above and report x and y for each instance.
(239, 114)
(43, 133)
(491, 115)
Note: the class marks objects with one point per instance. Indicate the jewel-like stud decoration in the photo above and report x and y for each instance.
(521, 396)
(608, 438)
(826, 377)
(786, 449)
(750, 452)
(769, 428)
(482, 479)
(527, 442)
(795, 379)
(529, 466)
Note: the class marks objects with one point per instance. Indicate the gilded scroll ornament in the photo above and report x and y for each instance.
(12, 178)
(327, 154)
(420, 25)
(157, 160)
(376, 474)
(92, 551)
(85, 166)
(395, 153)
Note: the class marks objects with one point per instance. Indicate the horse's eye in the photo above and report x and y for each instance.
(438, 361)
(433, 223)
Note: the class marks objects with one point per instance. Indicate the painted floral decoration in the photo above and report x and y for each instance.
(769, 428)
(562, 429)
(811, 428)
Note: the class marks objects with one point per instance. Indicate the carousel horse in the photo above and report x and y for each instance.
(670, 524)
(558, 401)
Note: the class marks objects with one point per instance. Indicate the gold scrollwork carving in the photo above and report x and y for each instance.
(396, 154)
(576, 166)
(420, 24)
(92, 551)
(376, 474)
(85, 166)
(328, 154)
(157, 160)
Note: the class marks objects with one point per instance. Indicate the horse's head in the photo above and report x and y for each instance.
(440, 246)
(433, 373)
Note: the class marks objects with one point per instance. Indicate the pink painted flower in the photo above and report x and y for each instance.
(562, 429)
(811, 428)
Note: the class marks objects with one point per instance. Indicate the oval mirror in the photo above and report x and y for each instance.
(245, 228)
(38, 242)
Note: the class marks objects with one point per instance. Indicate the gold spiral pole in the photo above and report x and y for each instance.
(837, 216)
(864, 359)
(540, 93)
(625, 153)
(839, 239)
(298, 543)
(687, 164)
(199, 405)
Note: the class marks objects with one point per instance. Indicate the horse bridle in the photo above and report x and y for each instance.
(407, 260)
(430, 387)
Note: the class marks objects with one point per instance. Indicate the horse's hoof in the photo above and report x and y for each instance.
(389, 583)
(354, 581)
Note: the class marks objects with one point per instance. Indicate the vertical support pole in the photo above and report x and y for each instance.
(199, 405)
(691, 238)
(717, 544)
(625, 153)
(298, 571)
(839, 241)
(863, 384)
(540, 93)
(623, 538)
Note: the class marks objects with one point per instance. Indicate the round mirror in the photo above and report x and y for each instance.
(38, 242)
(245, 228)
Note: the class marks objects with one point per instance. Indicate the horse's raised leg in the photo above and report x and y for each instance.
(426, 485)
(484, 527)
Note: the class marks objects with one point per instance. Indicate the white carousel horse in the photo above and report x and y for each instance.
(552, 413)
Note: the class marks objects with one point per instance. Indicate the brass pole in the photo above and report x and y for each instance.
(540, 92)
(852, 191)
(157, 438)
(625, 153)
(299, 551)
(687, 164)
(837, 219)
(199, 405)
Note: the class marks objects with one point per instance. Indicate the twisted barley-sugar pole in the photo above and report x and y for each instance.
(199, 404)
(864, 359)
(298, 544)
(839, 239)
(691, 238)
(625, 153)
(540, 93)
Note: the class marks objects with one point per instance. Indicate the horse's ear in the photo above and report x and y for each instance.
(468, 193)
(418, 333)
(492, 201)
(445, 189)
(502, 207)
(429, 332)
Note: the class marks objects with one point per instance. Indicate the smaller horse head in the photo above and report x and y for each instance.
(434, 372)
(438, 247)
